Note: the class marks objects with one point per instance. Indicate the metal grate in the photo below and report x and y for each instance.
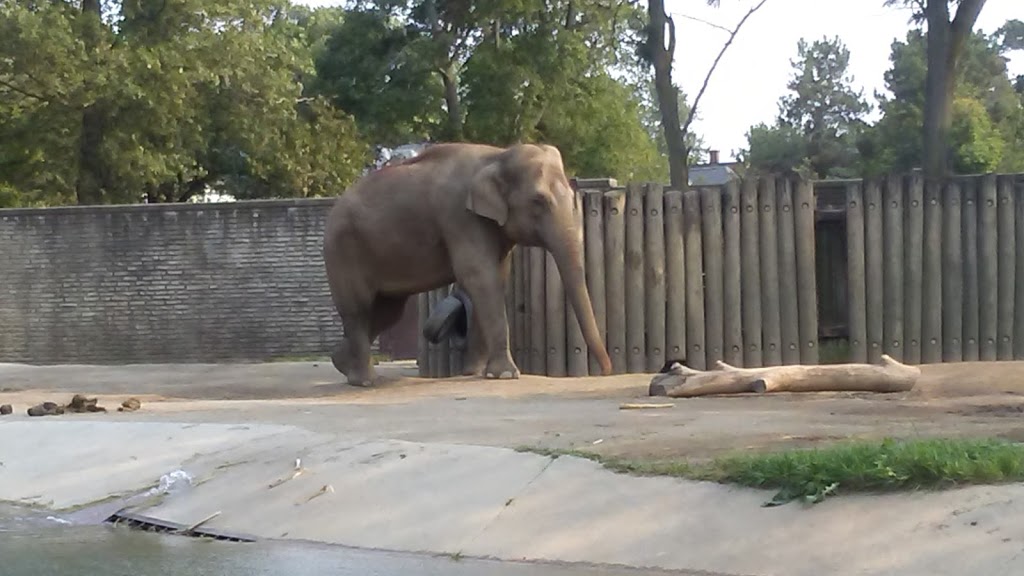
(140, 522)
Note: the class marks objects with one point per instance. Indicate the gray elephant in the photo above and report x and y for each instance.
(452, 214)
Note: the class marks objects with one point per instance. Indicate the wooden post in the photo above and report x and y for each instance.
(692, 241)
(988, 273)
(931, 276)
(675, 277)
(576, 346)
(1018, 287)
(711, 232)
(554, 318)
(615, 280)
(654, 275)
(892, 273)
(1007, 274)
(789, 320)
(594, 246)
(873, 265)
(634, 264)
(423, 349)
(952, 281)
(732, 280)
(855, 263)
(769, 247)
(806, 277)
(913, 257)
(969, 268)
(537, 306)
(750, 239)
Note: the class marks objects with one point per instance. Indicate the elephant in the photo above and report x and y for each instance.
(451, 214)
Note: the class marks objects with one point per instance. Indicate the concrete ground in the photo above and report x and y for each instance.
(418, 465)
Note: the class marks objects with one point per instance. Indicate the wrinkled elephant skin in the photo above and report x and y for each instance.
(452, 214)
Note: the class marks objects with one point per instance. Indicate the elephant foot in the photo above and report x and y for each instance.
(362, 378)
(504, 369)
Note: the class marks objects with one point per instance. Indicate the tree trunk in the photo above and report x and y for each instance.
(90, 181)
(945, 45)
(451, 100)
(668, 95)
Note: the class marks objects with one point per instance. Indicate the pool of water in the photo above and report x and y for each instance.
(33, 544)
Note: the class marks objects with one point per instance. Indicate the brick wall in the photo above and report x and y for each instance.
(165, 283)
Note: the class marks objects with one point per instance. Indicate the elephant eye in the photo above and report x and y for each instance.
(541, 201)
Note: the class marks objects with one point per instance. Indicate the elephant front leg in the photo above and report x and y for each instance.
(485, 285)
(476, 352)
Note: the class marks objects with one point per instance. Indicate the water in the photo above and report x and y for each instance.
(32, 545)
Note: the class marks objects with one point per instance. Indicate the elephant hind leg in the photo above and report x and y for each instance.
(361, 329)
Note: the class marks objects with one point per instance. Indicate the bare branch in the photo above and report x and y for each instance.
(707, 79)
(966, 15)
(703, 21)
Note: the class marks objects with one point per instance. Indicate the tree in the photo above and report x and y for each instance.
(779, 149)
(658, 50)
(819, 120)
(548, 78)
(986, 109)
(157, 100)
(946, 41)
(368, 69)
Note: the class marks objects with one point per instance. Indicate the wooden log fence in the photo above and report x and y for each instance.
(933, 272)
(936, 270)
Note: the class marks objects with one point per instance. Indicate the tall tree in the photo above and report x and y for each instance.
(946, 40)
(987, 125)
(819, 120)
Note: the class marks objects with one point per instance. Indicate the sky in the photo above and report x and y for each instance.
(752, 75)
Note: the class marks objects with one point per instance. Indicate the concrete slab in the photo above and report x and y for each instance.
(65, 463)
(577, 511)
(375, 494)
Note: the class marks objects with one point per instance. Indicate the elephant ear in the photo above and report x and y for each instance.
(486, 197)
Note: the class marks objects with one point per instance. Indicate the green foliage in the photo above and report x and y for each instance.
(369, 68)
(855, 466)
(988, 112)
(165, 99)
(776, 149)
(819, 120)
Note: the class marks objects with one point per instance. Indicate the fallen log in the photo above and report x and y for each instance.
(887, 376)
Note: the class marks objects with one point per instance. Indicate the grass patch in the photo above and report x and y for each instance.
(834, 351)
(812, 475)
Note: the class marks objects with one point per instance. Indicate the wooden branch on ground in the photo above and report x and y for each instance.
(886, 377)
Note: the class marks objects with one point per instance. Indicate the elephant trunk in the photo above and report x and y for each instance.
(567, 253)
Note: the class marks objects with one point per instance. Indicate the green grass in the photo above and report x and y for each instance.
(859, 466)
(834, 351)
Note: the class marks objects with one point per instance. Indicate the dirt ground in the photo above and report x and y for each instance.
(967, 399)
